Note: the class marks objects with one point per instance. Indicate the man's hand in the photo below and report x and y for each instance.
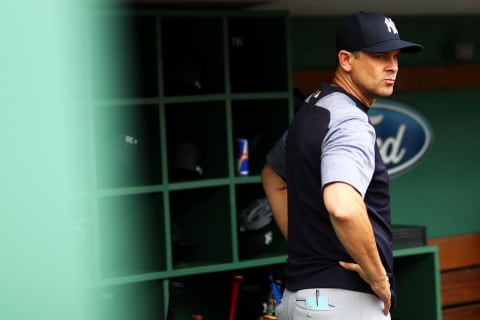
(381, 286)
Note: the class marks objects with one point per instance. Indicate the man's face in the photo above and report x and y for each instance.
(374, 74)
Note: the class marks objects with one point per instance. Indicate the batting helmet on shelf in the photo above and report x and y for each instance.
(255, 225)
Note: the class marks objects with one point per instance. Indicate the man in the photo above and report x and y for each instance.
(340, 262)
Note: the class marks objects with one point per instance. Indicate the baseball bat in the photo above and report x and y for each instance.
(236, 280)
(175, 290)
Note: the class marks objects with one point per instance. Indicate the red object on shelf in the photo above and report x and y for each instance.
(236, 281)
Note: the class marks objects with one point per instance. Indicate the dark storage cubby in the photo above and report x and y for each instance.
(128, 146)
(209, 294)
(204, 294)
(193, 59)
(256, 237)
(252, 120)
(247, 193)
(132, 237)
(258, 52)
(200, 226)
(129, 301)
(130, 71)
(413, 266)
(195, 152)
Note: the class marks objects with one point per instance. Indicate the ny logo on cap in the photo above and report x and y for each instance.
(390, 26)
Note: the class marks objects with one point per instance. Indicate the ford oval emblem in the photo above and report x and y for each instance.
(403, 135)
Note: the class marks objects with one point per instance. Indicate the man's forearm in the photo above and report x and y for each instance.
(357, 238)
(353, 228)
(276, 191)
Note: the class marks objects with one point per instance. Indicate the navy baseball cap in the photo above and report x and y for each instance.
(371, 32)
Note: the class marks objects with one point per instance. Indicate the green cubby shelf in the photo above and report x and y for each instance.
(132, 238)
(128, 146)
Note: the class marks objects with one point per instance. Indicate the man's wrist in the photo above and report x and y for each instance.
(381, 282)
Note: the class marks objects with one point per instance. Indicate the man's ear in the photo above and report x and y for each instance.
(345, 60)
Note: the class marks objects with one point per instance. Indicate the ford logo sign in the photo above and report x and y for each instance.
(403, 135)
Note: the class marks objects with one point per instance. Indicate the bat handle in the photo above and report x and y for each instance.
(175, 289)
(236, 280)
